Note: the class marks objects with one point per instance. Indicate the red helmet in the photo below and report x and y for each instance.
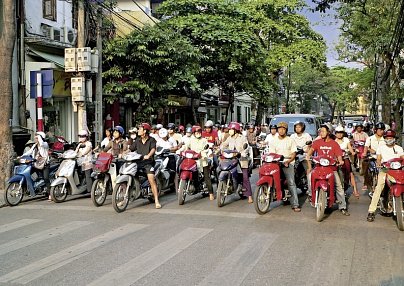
(181, 128)
(196, 128)
(235, 125)
(389, 133)
(146, 126)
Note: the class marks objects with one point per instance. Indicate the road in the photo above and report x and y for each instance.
(75, 243)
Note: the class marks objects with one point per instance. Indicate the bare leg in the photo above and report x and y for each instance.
(153, 186)
(353, 183)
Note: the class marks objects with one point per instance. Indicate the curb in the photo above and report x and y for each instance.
(2, 203)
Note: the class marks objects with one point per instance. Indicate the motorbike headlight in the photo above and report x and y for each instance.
(395, 165)
(66, 168)
(228, 155)
(23, 161)
(361, 143)
(189, 155)
(324, 162)
(269, 159)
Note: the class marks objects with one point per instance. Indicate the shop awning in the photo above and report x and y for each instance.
(56, 59)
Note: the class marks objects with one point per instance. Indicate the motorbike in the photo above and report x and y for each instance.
(212, 161)
(104, 174)
(271, 185)
(27, 180)
(300, 172)
(359, 146)
(230, 176)
(373, 172)
(70, 179)
(131, 183)
(323, 185)
(166, 176)
(191, 176)
(392, 197)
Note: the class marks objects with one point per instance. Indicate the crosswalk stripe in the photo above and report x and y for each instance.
(17, 224)
(236, 266)
(44, 266)
(135, 269)
(40, 236)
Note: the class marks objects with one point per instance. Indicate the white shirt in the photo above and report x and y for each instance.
(301, 140)
(270, 138)
(185, 139)
(42, 147)
(343, 144)
(389, 153)
(285, 147)
(105, 142)
(166, 144)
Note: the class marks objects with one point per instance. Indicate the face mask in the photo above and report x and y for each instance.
(231, 132)
(133, 136)
(198, 135)
(390, 141)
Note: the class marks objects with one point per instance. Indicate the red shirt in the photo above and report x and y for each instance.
(330, 148)
(210, 136)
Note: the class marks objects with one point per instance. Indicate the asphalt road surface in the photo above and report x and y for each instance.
(75, 243)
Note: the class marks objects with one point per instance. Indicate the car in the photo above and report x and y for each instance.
(312, 122)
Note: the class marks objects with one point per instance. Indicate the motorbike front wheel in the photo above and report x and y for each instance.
(58, 193)
(220, 194)
(262, 199)
(120, 198)
(182, 191)
(99, 192)
(14, 194)
(321, 205)
(399, 211)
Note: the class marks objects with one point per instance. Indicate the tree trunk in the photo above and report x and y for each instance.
(384, 89)
(260, 111)
(7, 42)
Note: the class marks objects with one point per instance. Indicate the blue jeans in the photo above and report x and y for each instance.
(290, 177)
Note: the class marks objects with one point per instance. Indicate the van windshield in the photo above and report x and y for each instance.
(309, 121)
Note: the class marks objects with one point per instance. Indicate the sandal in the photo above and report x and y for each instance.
(211, 197)
(297, 209)
(158, 206)
(250, 200)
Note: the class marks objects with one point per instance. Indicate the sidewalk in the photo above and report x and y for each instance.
(2, 203)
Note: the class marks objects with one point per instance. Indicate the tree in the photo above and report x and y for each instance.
(7, 41)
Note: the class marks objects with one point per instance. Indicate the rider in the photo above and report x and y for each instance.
(273, 133)
(181, 130)
(187, 136)
(286, 146)
(252, 139)
(210, 134)
(345, 145)
(301, 138)
(372, 144)
(359, 135)
(166, 142)
(236, 142)
(84, 150)
(198, 144)
(384, 153)
(171, 132)
(118, 146)
(146, 146)
(328, 147)
(349, 129)
(132, 135)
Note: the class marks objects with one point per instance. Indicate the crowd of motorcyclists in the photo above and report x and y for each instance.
(225, 155)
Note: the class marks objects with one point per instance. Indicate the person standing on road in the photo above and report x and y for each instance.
(328, 147)
(284, 145)
(146, 146)
(384, 153)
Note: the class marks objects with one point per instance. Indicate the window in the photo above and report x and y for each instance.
(49, 9)
(239, 114)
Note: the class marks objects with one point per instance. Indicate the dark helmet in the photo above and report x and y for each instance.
(327, 126)
(250, 125)
(181, 128)
(146, 126)
(359, 125)
(350, 125)
(389, 133)
(301, 123)
(120, 129)
(171, 126)
(380, 125)
(273, 126)
(188, 130)
(196, 128)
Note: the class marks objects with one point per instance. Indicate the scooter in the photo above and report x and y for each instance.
(131, 183)
(191, 176)
(69, 179)
(323, 185)
(165, 174)
(27, 180)
(300, 171)
(392, 197)
(104, 174)
(271, 185)
(359, 147)
(230, 176)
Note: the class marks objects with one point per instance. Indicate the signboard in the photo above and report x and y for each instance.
(47, 83)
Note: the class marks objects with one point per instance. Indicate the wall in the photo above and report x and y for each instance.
(128, 5)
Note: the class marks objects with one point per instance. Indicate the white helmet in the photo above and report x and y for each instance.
(83, 133)
(163, 133)
(42, 134)
(133, 130)
(159, 126)
(339, 129)
(209, 123)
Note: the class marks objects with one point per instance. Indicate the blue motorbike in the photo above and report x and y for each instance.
(27, 180)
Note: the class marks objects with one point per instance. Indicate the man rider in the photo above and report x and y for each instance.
(273, 133)
(146, 146)
(210, 134)
(284, 145)
(328, 147)
(384, 153)
(173, 134)
(166, 142)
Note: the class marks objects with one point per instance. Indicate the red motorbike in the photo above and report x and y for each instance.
(323, 184)
(271, 185)
(391, 199)
(359, 146)
(191, 180)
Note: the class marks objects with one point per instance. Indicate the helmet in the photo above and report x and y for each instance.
(389, 133)
(359, 125)
(250, 125)
(133, 130)
(350, 125)
(283, 124)
(235, 125)
(301, 123)
(146, 126)
(196, 128)
(226, 126)
(327, 126)
(42, 134)
(181, 128)
(159, 126)
(153, 127)
(273, 126)
(380, 125)
(209, 123)
(188, 130)
(163, 133)
(171, 126)
(119, 129)
(83, 133)
(339, 129)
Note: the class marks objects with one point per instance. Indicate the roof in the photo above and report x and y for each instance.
(296, 115)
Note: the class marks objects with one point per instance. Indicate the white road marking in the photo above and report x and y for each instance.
(17, 224)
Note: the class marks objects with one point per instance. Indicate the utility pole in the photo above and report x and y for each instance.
(98, 82)
(81, 106)
(288, 91)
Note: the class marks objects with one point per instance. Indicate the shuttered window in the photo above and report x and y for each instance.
(49, 9)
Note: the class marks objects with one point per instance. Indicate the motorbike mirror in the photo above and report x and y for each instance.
(82, 146)
(206, 147)
(308, 142)
(245, 146)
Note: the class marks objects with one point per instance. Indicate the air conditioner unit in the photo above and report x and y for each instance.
(56, 34)
(70, 35)
(46, 30)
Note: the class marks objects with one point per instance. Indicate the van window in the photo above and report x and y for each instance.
(311, 124)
